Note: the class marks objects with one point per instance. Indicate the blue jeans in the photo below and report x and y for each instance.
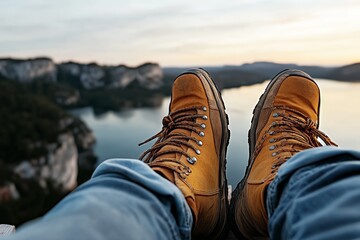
(124, 199)
(316, 195)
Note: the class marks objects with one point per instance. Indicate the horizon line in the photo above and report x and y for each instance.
(173, 66)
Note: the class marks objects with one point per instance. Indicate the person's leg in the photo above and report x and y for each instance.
(125, 199)
(316, 195)
(181, 190)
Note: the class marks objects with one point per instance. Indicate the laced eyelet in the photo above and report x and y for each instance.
(197, 151)
(191, 160)
(203, 126)
(201, 134)
(272, 147)
(272, 133)
(274, 154)
(273, 124)
(204, 109)
(183, 175)
(272, 140)
(205, 117)
(275, 114)
(200, 143)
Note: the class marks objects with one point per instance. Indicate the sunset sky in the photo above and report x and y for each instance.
(182, 32)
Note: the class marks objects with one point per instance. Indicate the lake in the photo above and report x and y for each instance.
(118, 133)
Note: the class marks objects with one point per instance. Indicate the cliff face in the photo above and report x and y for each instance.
(41, 145)
(92, 76)
(148, 76)
(89, 76)
(58, 167)
(28, 70)
(42, 181)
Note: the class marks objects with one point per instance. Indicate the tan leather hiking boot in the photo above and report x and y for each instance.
(285, 122)
(190, 151)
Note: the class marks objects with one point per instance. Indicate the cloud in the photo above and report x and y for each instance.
(113, 31)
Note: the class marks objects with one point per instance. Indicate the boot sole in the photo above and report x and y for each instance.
(252, 139)
(221, 228)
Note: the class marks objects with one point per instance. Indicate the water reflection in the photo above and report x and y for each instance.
(104, 101)
(118, 133)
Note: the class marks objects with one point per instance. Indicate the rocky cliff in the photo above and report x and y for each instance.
(92, 76)
(86, 76)
(28, 70)
(44, 152)
(148, 75)
(58, 167)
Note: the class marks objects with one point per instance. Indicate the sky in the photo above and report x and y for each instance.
(182, 32)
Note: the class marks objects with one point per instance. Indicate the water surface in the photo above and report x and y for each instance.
(118, 133)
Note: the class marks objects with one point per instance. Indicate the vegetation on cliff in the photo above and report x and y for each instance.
(28, 123)
(31, 122)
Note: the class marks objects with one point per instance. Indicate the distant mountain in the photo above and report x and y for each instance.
(269, 69)
(251, 73)
(346, 73)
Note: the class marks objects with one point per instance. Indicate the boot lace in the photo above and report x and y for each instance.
(293, 132)
(185, 119)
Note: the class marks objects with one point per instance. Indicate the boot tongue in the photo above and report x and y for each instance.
(301, 95)
(187, 91)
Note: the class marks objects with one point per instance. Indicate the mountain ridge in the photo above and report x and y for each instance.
(257, 72)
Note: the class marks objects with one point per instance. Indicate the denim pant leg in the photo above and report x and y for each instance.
(316, 195)
(124, 199)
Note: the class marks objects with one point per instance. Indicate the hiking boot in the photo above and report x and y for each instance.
(285, 122)
(190, 151)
